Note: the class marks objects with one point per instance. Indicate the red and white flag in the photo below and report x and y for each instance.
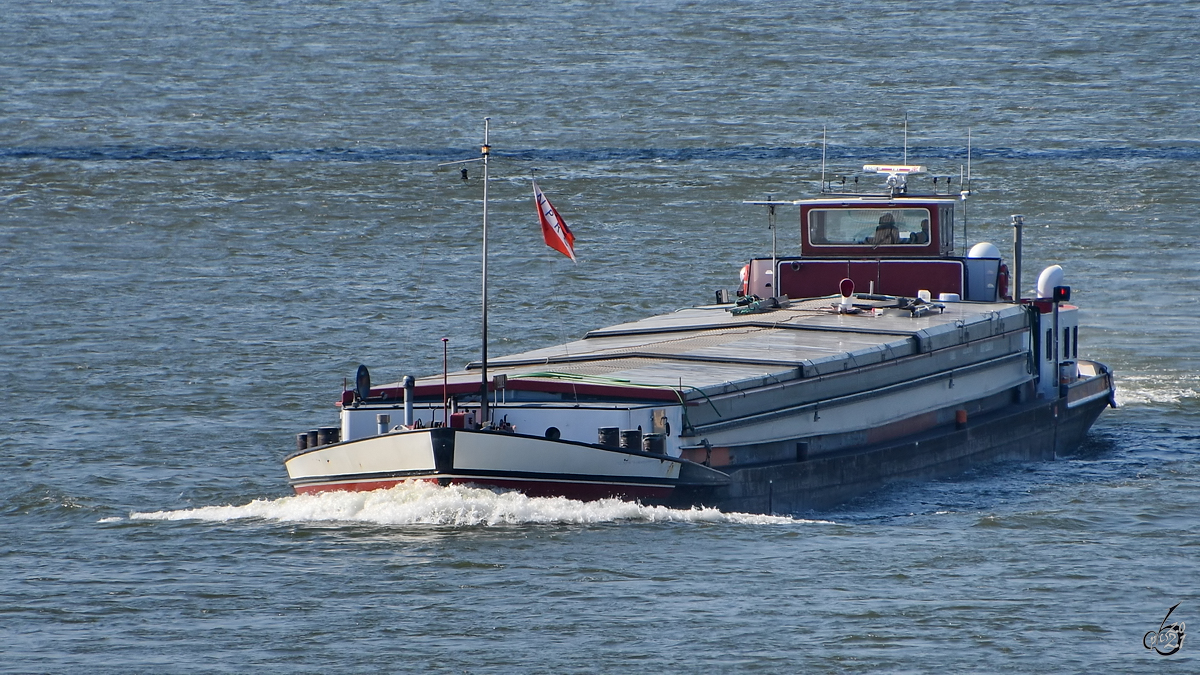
(558, 236)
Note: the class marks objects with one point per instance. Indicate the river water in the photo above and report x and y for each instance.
(211, 213)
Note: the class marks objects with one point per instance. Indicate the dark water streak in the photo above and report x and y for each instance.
(731, 154)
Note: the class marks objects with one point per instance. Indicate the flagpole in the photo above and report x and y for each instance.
(485, 154)
(483, 392)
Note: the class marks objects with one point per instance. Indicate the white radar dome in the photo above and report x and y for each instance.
(1049, 278)
(983, 250)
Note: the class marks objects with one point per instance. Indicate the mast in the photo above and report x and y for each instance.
(484, 154)
(771, 203)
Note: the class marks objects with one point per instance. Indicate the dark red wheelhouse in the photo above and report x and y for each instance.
(888, 244)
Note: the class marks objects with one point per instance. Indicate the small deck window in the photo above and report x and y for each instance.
(869, 227)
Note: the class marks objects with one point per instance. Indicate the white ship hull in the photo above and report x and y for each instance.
(533, 465)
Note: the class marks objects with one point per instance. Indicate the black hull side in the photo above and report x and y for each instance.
(1035, 431)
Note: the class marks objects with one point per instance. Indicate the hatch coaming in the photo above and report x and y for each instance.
(869, 408)
(726, 369)
(858, 374)
(707, 351)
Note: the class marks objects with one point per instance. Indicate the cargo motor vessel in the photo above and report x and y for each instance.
(871, 355)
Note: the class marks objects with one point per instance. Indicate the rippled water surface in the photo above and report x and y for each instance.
(211, 213)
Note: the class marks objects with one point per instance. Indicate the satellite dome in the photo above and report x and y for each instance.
(1049, 278)
(984, 250)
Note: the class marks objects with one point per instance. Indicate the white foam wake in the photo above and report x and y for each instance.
(421, 503)
(1153, 390)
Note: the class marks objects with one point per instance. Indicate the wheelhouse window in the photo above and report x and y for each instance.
(868, 227)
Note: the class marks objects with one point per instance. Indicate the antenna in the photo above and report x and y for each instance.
(905, 139)
(965, 185)
(823, 145)
(963, 195)
(968, 158)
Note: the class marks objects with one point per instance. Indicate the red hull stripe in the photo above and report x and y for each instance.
(584, 491)
(482, 476)
(546, 386)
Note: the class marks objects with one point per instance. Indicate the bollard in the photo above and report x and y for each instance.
(655, 443)
(609, 437)
(328, 435)
(631, 439)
